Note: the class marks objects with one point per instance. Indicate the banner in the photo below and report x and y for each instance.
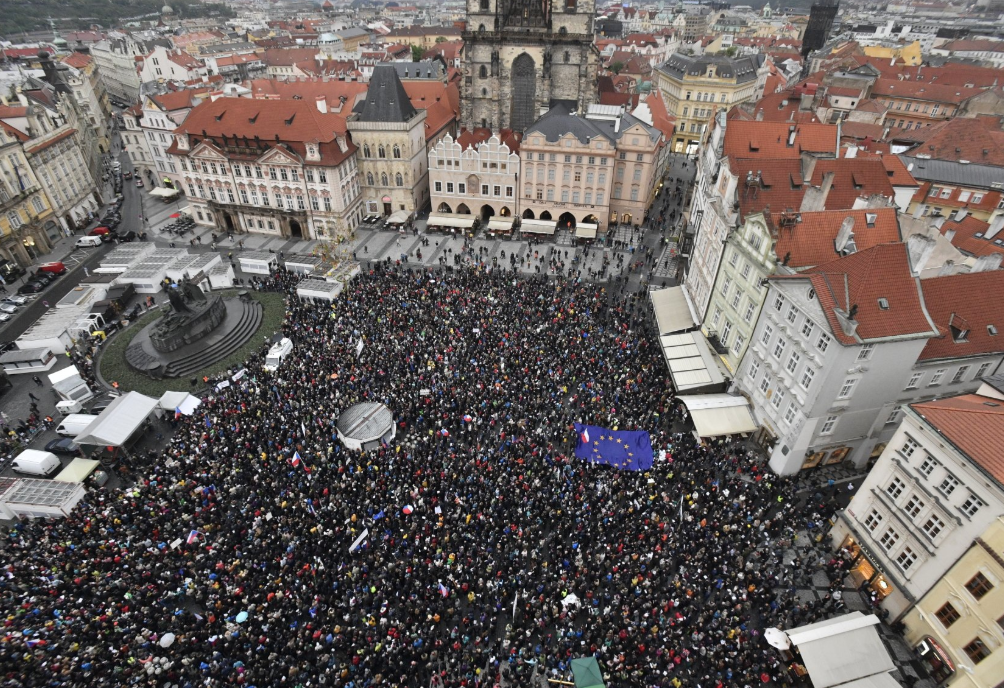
(627, 449)
(359, 540)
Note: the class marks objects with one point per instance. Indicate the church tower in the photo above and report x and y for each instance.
(522, 57)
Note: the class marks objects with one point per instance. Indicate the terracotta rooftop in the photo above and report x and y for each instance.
(923, 91)
(78, 60)
(964, 139)
(862, 279)
(963, 235)
(811, 240)
(754, 139)
(968, 310)
(974, 424)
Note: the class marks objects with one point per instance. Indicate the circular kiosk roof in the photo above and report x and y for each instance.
(365, 422)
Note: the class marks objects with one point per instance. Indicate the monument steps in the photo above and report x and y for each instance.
(234, 339)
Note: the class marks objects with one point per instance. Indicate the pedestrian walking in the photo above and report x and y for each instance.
(37, 379)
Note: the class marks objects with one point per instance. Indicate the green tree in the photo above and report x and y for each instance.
(616, 67)
(441, 39)
(416, 53)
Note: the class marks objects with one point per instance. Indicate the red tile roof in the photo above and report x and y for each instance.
(973, 45)
(974, 424)
(964, 139)
(770, 139)
(898, 174)
(963, 237)
(183, 59)
(179, 100)
(922, 91)
(857, 131)
(78, 60)
(31, 150)
(967, 301)
(661, 119)
(954, 200)
(861, 279)
(479, 135)
(811, 240)
(782, 107)
(10, 111)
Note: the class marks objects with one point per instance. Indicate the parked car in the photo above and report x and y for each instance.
(5, 317)
(16, 300)
(128, 236)
(54, 268)
(63, 445)
(139, 183)
(8, 308)
(127, 174)
(30, 288)
(98, 231)
(43, 277)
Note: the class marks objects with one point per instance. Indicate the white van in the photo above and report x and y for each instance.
(74, 424)
(88, 242)
(278, 353)
(41, 464)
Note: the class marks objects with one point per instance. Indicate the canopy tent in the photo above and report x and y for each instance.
(586, 671)
(180, 401)
(842, 650)
(398, 217)
(164, 192)
(538, 226)
(691, 362)
(586, 230)
(719, 414)
(117, 423)
(77, 471)
(672, 310)
(458, 221)
(503, 225)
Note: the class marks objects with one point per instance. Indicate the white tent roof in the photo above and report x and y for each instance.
(719, 414)
(538, 226)
(585, 230)
(691, 363)
(183, 401)
(398, 217)
(843, 650)
(163, 192)
(503, 225)
(461, 221)
(77, 471)
(672, 310)
(119, 421)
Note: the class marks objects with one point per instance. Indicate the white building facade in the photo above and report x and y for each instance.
(477, 180)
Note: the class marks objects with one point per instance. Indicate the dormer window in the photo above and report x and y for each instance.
(883, 304)
(992, 330)
(959, 335)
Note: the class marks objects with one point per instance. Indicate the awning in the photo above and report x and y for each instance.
(672, 310)
(119, 421)
(538, 226)
(586, 230)
(586, 672)
(843, 649)
(398, 217)
(504, 225)
(691, 362)
(719, 414)
(179, 401)
(462, 222)
(163, 192)
(77, 471)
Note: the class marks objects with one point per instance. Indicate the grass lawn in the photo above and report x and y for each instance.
(112, 363)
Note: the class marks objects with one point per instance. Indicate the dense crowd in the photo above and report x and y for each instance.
(228, 562)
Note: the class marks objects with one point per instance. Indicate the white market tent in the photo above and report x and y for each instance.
(672, 310)
(117, 423)
(35, 498)
(77, 470)
(398, 217)
(844, 651)
(503, 225)
(715, 415)
(182, 401)
(457, 221)
(162, 192)
(538, 226)
(691, 362)
(585, 230)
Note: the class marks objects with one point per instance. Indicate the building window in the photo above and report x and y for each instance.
(734, 258)
(829, 425)
(725, 287)
(933, 526)
(895, 487)
(779, 348)
(936, 378)
(397, 151)
(438, 186)
(807, 376)
(894, 416)
(906, 558)
(778, 398)
(738, 345)
(314, 205)
(14, 219)
(972, 504)
(484, 189)
(978, 586)
(929, 464)
(778, 303)
(726, 331)
(768, 332)
(977, 650)
(960, 374)
(947, 615)
(948, 485)
(793, 362)
(914, 506)
(914, 381)
(982, 370)
(754, 369)
(737, 296)
(847, 390)
(748, 315)
(889, 539)
(823, 343)
(765, 384)
(792, 314)
(873, 521)
(865, 352)
(789, 413)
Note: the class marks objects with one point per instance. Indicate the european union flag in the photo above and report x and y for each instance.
(627, 449)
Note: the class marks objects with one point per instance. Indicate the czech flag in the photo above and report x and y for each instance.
(177, 412)
(584, 435)
(295, 461)
(444, 432)
(407, 509)
(193, 536)
(468, 418)
(443, 590)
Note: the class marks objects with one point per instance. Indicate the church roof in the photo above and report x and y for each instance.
(558, 122)
(386, 100)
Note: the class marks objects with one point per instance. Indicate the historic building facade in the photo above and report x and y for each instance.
(479, 179)
(521, 57)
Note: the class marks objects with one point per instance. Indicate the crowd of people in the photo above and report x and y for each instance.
(256, 550)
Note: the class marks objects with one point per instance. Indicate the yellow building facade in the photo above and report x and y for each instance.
(24, 208)
(957, 628)
(909, 54)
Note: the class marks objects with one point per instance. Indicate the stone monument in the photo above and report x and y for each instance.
(191, 318)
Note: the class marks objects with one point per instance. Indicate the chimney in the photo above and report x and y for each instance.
(322, 105)
(759, 115)
(342, 145)
(919, 248)
(991, 261)
(808, 165)
(845, 237)
(815, 197)
(995, 227)
(791, 135)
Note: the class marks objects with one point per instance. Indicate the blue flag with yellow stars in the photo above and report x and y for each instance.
(627, 449)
